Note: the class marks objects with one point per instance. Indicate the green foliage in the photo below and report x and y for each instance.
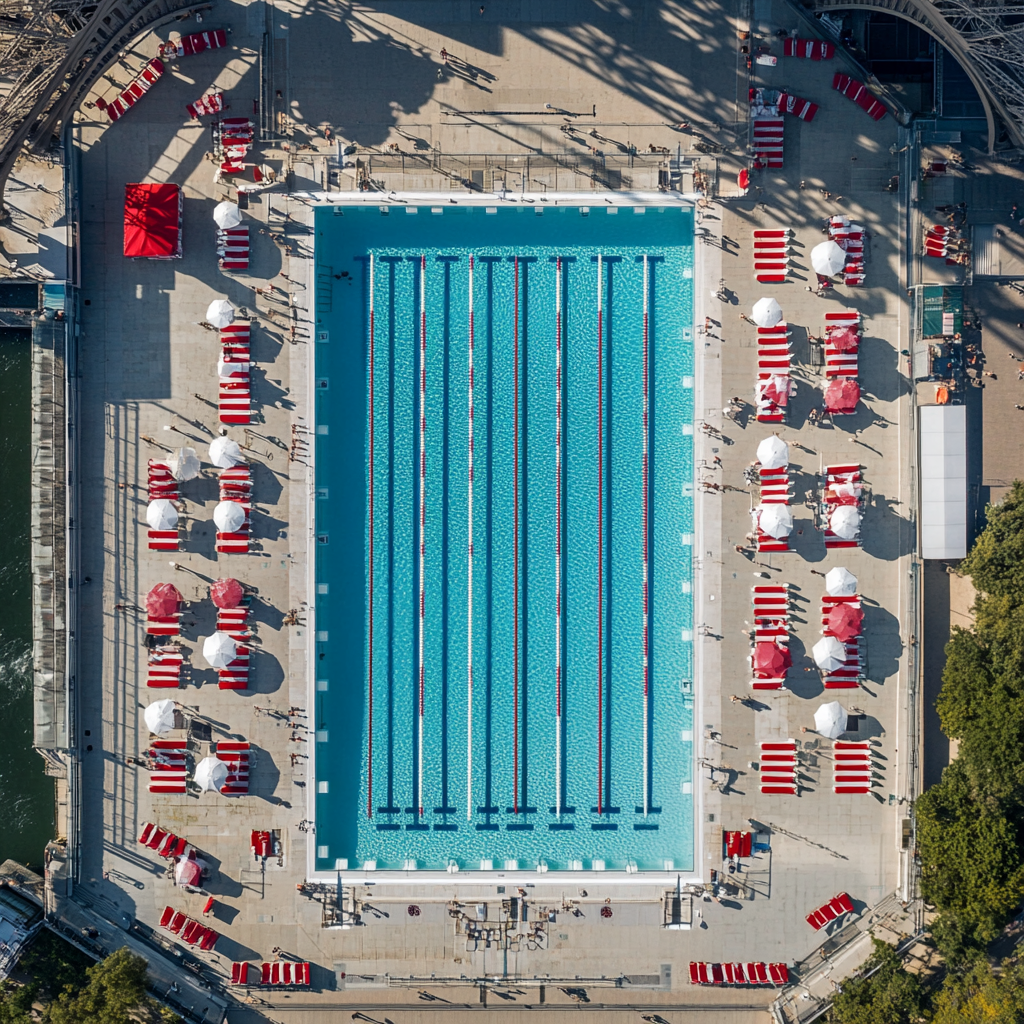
(890, 995)
(971, 865)
(970, 826)
(55, 964)
(115, 993)
(996, 562)
(981, 996)
(16, 1002)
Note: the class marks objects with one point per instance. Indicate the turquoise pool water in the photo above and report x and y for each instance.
(498, 709)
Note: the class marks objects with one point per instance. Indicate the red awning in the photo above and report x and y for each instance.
(163, 601)
(227, 593)
(152, 221)
(844, 620)
(842, 396)
(771, 657)
(845, 340)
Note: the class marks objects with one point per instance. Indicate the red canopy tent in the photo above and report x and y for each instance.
(227, 593)
(842, 396)
(844, 621)
(846, 339)
(163, 600)
(770, 657)
(152, 221)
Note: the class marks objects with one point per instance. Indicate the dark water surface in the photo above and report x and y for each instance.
(26, 793)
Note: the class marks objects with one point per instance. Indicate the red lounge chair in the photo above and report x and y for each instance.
(717, 974)
(165, 917)
(240, 974)
(164, 667)
(208, 906)
(305, 973)
(177, 922)
(161, 482)
(236, 675)
(190, 933)
(167, 846)
(156, 838)
(844, 902)
(264, 974)
(163, 540)
(779, 974)
(704, 973)
(147, 830)
(286, 973)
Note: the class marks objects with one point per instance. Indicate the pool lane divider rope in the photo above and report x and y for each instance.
(423, 513)
(369, 674)
(646, 630)
(469, 567)
(558, 537)
(600, 538)
(515, 556)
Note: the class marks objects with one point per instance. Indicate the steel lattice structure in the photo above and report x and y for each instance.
(51, 53)
(986, 38)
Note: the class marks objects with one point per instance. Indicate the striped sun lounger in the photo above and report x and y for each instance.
(851, 767)
(777, 767)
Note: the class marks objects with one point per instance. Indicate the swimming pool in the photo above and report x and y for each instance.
(504, 518)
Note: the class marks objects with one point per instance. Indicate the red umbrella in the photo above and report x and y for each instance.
(771, 658)
(227, 593)
(845, 340)
(163, 600)
(844, 621)
(842, 396)
(743, 179)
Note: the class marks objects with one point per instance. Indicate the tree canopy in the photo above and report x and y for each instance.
(970, 825)
(114, 993)
(886, 994)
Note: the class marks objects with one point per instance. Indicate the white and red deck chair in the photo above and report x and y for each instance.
(766, 543)
(240, 973)
(161, 482)
(233, 622)
(936, 241)
(772, 394)
(812, 49)
(233, 372)
(848, 675)
(774, 484)
(233, 248)
(842, 351)
(163, 669)
(211, 103)
(777, 768)
(236, 675)
(213, 39)
(771, 254)
(767, 141)
(842, 318)
(798, 107)
(756, 973)
(164, 540)
(168, 773)
(236, 485)
(837, 907)
(237, 757)
(851, 767)
(844, 485)
(770, 664)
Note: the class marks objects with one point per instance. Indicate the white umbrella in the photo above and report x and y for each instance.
(767, 313)
(830, 720)
(221, 313)
(185, 464)
(159, 716)
(845, 522)
(227, 215)
(840, 582)
(225, 453)
(828, 258)
(775, 520)
(773, 453)
(229, 516)
(829, 653)
(219, 650)
(161, 515)
(210, 775)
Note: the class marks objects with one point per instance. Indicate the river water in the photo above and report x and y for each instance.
(26, 793)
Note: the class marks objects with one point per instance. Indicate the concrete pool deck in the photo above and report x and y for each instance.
(375, 79)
